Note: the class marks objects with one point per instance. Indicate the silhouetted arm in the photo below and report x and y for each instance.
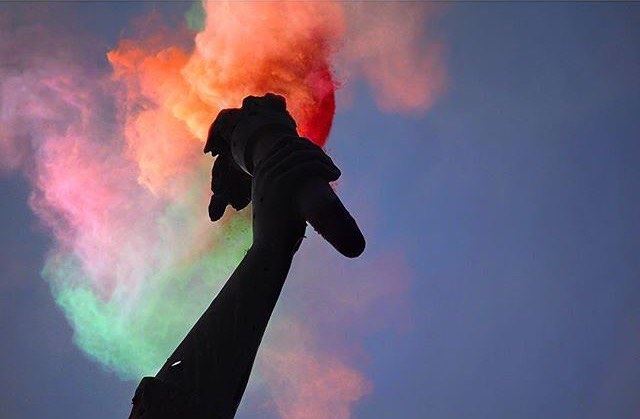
(220, 349)
(207, 374)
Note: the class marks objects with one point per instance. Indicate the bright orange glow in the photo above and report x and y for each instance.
(245, 49)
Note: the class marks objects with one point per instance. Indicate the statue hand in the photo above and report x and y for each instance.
(276, 219)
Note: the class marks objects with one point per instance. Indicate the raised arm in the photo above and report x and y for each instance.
(208, 372)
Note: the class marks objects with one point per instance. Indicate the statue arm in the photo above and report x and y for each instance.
(208, 372)
(215, 359)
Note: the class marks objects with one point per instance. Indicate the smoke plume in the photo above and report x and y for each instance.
(113, 152)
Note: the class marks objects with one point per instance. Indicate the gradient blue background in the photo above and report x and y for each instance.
(516, 201)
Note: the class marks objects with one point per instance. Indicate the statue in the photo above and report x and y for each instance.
(260, 158)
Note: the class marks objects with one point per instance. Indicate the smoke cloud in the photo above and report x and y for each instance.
(114, 155)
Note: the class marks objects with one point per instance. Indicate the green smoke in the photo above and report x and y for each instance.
(134, 336)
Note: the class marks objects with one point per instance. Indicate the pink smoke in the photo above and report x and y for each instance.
(110, 155)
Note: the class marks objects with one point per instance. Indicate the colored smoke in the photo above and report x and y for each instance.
(114, 156)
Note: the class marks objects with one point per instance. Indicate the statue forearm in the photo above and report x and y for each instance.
(208, 372)
(289, 183)
(221, 347)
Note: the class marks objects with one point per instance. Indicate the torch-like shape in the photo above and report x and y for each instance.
(207, 374)
(250, 134)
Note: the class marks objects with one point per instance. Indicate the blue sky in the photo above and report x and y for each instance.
(515, 200)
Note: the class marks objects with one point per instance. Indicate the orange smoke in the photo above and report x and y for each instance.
(126, 199)
(308, 383)
(245, 49)
(388, 44)
(171, 94)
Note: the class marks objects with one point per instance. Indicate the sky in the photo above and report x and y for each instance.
(503, 216)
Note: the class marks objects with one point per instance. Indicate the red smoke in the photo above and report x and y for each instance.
(119, 178)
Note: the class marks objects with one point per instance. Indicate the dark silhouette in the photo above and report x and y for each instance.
(260, 157)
